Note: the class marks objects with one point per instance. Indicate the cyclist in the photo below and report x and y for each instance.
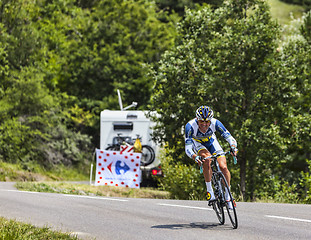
(201, 142)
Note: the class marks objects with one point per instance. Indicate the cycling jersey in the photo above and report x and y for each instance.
(195, 140)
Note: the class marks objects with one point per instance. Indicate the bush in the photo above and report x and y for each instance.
(276, 190)
(182, 181)
(306, 183)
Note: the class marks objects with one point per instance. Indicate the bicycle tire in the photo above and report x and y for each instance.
(218, 205)
(148, 155)
(113, 148)
(231, 211)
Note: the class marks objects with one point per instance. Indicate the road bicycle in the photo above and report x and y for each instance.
(220, 186)
(148, 154)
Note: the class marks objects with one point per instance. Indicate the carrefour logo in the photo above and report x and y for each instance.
(119, 167)
(125, 167)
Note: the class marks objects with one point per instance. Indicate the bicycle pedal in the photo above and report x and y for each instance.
(211, 202)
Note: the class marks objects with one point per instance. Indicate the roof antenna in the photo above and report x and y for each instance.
(120, 100)
(134, 104)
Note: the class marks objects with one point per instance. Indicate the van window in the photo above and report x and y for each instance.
(131, 116)
(123, 126)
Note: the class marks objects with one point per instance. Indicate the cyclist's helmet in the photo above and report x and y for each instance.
(204, 113)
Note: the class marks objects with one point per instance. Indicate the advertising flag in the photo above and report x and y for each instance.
(118, 168)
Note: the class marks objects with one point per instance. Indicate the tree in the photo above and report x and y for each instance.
(30, 111)
(222, 59)
(179, 6)
(98, 49)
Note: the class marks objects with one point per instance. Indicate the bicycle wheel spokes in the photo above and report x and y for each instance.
(219, 210)
(148, 155)
(230, 206)
(218, 205)
(231, 209)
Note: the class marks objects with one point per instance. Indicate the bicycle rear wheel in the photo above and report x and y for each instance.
(148, 155)
(113, 148)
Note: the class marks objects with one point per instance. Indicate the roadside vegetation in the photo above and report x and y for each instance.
(88, 190)
(14, 230)
(17, 173)
(285, 12)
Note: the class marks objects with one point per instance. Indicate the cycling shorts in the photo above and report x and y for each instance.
(213, 148)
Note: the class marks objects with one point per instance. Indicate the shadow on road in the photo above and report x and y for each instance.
(190, 225)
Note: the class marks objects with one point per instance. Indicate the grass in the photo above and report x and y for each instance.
(84, 189)
(34, 172)
(283, 11)
(13, 230)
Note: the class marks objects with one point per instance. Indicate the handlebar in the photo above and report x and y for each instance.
(217, 155)
(235, 160)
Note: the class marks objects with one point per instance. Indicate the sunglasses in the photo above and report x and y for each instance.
(202, 121)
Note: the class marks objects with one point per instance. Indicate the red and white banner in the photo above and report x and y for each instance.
(118, 168)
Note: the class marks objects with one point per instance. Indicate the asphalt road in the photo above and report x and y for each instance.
(127, 218)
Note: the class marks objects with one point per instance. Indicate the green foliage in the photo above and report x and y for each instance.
(179, 6)
(284, 12)
(305, 3)
(182, 181)
(228, 59)
(32, 128)
(306, 183)
(306, 27)
(85, 189)
(278, 191)
(97, 50)
(12, 230)
(33, 171)
(4, 67)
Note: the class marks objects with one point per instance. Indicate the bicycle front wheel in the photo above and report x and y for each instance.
(231, 208)
(218, 205)
(219, 210)
(230, 205)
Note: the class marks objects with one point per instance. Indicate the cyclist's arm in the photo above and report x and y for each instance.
(226, 134)
(188, 141)
(189, 151)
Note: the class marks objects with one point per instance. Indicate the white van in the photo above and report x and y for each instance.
(118, 126)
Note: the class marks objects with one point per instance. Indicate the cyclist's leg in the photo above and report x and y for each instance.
(215, 148)
(224, 168)
(207, 171)
(202, 151)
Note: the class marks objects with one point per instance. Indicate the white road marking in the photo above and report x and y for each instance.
(99, 198)
(182, 206)
(161, 204)
(9, 190)
(69, 195)
(288, 218)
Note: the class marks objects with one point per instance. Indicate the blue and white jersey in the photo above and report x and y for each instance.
(196, 140)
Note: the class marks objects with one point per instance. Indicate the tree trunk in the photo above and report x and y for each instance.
(242, 161)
